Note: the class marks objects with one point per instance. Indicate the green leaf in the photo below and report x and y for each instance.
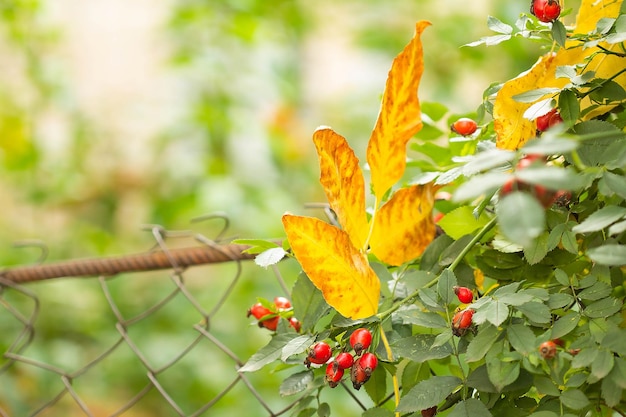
(521, 218)
(521, 338)
(585, 357)
(256, 245)
(502, 373)
(376, 387)
(447, 280)
(611, 392)
(471, 407)
(421, 318)
(480, 185)
(434, 110)
(549, 145)
(546, 386)
(296, 346)
(308, 302)
(480, 345)
(428, 393)
(600, 219)
(544, 414)
(551, 177)
(534, 95)
(296, 383)
(610, 254)
(268, 353)
(565, 324)
(594, 151)
(559, 33)
(618, 374)
(536, 312)
(597, 291)
(537, 250)
(494, 311)
(419, 348)
(574, 399)
(616, 183)
(604, 308)
(498, 26)
(569, 107)
(377, 412)
(323, 410)
(609, 91)
(602, 364)
(461, 221)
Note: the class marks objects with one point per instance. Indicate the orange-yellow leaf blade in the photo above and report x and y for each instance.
(399, 118)
(338, 269)
(342, 179)
(404, 226)
(512, 129)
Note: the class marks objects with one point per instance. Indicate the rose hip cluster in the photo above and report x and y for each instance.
(361, 364)
(269, 317)
(462, 319)
(545, 196)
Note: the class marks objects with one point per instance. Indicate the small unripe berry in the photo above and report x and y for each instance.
(545, 10)
(344, 360)
(360, 340)
(333, 375)
(462, 321)
(547, 349)
(464, 294)
(464, 126)
(319, 354)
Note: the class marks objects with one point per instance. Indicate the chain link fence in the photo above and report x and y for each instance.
(133, 344)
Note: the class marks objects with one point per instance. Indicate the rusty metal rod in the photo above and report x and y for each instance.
(149, 261)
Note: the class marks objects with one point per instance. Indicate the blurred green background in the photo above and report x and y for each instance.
(116, 114)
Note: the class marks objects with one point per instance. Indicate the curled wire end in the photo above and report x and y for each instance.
(39, 244)
(219, 216)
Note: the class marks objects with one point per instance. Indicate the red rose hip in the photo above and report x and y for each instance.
(464, 294)
(344, 360)
(462, 321)
(333, 375)
(547, 350)
(318, 354)
(464, 126)
(545, 122)
(545, 10)
(360, 340)
(282, 303)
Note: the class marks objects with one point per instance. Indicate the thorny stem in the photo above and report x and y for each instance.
(396, 388)
(486, 228)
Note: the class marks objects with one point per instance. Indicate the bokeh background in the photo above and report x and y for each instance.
(116, 114)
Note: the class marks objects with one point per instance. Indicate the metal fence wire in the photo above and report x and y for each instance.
(39, 377)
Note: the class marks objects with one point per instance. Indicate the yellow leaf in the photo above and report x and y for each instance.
(512, 129)
(338, 269)
(404, 226)
(399, 118)
(342, 179)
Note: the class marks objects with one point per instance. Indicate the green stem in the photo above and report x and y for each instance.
(486, 228)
